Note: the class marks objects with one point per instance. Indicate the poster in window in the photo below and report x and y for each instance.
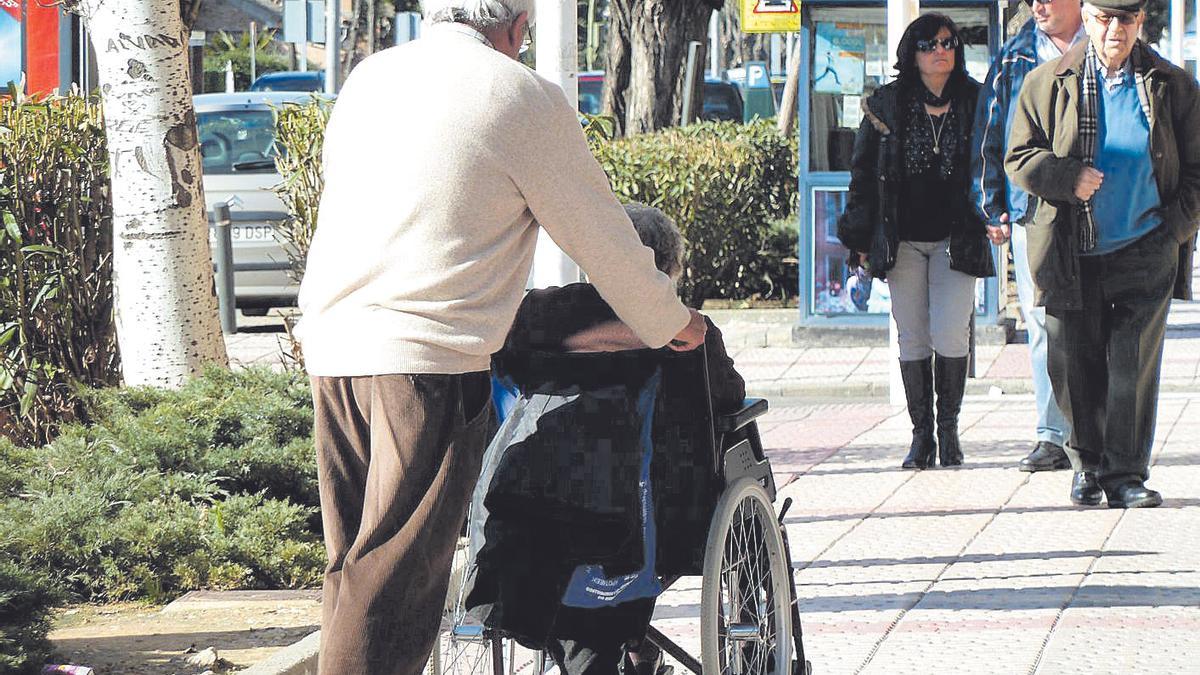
(10, 42)
(839, 58)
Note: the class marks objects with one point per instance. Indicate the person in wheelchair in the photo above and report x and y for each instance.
(591, 619)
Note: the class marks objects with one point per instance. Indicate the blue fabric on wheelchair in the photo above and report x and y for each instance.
(568, 507)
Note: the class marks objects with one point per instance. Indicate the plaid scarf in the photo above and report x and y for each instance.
(1089, 127)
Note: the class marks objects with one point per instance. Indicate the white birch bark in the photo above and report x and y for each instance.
(166, 308)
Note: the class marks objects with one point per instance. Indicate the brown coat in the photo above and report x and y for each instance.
(1045, 159)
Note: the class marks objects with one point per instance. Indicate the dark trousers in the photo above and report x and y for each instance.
(397, 459)
(1104, 358)
(593, 641)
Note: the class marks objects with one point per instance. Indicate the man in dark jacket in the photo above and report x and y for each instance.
(1106, 139)
(1054, 28)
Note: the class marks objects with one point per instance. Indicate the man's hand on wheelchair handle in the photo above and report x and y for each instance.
(692, 335)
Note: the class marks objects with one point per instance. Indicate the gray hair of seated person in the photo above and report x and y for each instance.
(659, 234)
(482, 14)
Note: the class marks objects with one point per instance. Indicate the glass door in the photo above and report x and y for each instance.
(845, 59)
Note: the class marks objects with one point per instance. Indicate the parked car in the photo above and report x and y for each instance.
(290, 80)
(237, 147)
(722, 100)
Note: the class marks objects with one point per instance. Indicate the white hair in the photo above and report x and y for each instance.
(660, 234)
(483, 14)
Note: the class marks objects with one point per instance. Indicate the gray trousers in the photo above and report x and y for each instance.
(1105, 358)
(932, 303)
(397, 458)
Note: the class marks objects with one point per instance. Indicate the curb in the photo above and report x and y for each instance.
(298, 658)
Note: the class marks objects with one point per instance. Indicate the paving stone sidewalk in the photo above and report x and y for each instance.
(982, 568)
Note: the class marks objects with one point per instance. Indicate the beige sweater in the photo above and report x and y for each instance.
(442, 157)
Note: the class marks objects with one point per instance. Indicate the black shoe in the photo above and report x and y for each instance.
(1132, 495)
(1085, 489)
(1046, 456)
(917, 377)
(950, 379)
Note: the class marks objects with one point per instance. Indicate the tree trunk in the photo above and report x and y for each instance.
(189, 10)
(616, 65)
(791, 89)
(370, 27)
(166, 310)
(350, 58)
(659, 34)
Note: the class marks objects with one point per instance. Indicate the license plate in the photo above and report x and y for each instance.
(252, 233)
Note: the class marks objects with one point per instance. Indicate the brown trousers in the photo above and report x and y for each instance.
(397, 459)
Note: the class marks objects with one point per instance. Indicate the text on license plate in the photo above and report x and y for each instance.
(252, 233)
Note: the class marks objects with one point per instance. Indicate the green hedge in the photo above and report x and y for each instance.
(730, 187)
(724, 184)
(211, 486)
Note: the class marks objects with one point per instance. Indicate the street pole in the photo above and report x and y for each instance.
(714, 46)
(900, 13)
(1178, 28)
(557, 61)
(333, 44)
(253, 49)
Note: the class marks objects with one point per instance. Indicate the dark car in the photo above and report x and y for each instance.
(290, 80)
(722, 100)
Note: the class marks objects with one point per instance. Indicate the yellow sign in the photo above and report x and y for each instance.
(770, 16)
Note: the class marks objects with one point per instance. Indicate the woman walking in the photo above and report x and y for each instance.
(909, 220)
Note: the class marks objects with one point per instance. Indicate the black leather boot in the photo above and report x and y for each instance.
(950, 379)
(918, 390)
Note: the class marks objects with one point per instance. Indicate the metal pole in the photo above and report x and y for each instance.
(223, 257)
(1178, 28)
(230, 87)
(333, 44)
(714, 45)
(776, 53)
(253, 49)
(557, 61)
(900, 13)
(689, 84)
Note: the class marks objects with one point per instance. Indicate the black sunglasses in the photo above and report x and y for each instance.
(949, 44)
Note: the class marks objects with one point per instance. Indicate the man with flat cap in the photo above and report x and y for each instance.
(1056, 26)
(1106, 139)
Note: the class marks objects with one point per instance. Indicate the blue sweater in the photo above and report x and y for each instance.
(1126, 205)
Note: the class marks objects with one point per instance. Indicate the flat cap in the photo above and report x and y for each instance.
(1130, 6)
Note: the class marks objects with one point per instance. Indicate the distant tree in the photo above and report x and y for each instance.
(189, 11)
(646, 57)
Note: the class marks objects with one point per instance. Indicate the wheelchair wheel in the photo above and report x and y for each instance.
(466, 647)
(745, 605)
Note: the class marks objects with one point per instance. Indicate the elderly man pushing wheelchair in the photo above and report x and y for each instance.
(442, 158)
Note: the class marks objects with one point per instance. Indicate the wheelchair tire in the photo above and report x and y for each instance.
(466, 648)
(745, 600)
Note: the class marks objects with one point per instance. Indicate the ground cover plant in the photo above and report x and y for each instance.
(211, 486)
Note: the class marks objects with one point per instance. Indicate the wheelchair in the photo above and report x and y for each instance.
(749, 616)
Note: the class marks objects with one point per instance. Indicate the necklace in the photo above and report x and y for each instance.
(937, 131)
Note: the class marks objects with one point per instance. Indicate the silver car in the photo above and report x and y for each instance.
(237, 144)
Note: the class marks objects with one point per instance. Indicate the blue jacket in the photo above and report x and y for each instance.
(991, 192)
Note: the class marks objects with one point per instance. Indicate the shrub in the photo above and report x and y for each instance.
(210, 486)
(723, 183)
(25, 601)
(56, 302)
(237, 51)
(300, 133)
